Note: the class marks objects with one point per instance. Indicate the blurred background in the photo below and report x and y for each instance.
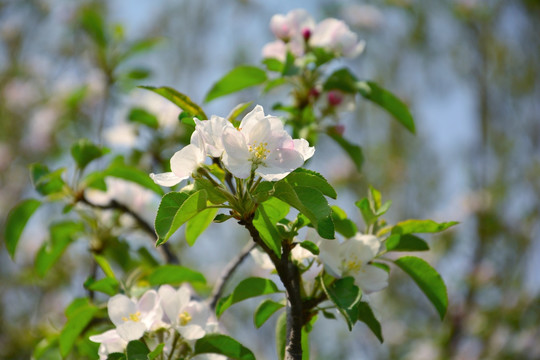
(468, 69)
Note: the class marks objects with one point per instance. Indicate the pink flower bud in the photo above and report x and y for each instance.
(314, 93)
(306, 33)
(335, 97)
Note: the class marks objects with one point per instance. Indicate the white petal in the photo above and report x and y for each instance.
(151, 312)
(120, 306)
(169, 302)
(131, 330)
(187, 160)
(302, 146)
(191, 332)
(165, 179)
(279, 164)
(329, 256)
(371, 278)
(236, 157)
(367, 245)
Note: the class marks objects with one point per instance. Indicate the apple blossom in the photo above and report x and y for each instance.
(189, 318)
(211, 132)
(335, 36)
(351, 258)
(133, 318)
(262, 145)
(292, 25)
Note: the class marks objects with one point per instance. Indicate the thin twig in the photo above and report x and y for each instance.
(227, 273)
(169, 256)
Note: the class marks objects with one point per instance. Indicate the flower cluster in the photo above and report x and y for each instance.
(297, 32)
(171, 313)
(260, 146)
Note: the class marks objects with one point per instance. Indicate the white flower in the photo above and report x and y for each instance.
(132, 318)
(276, 50)
(335, 36)
(351, 258)
(189, 318)
(293, 25)
(110, 342)
(261, 144)
(183, 163)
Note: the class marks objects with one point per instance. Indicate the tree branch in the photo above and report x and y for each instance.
(169, 256)
(290, 277)
(227, 273)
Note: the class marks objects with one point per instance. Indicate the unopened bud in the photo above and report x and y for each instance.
(335, 97)
(306, 34)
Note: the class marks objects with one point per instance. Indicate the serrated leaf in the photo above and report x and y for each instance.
(46, 182)
(405, 242)
(345, 295)
(310, 246)
(305, 177)
(197, 224)
(175, 210)
(388, 101)
(106, 285)
(179, 99)
(427, 279)
(421, 226)
(76, 323)
(16, 222)
(137, 350)
(84, 152)
(266, 217)
(224, 345)
(142, 116)
(354, 151)
(264, 311)
(175, 275)
(365, 314)
(237, 79)
(247, 288)
(342, 224)
(61, 235)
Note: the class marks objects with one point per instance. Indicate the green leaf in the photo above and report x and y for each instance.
(61, 235)
(341, 79)
(104, 265)
(237, 79)
(120, 170)
(238, 110)
(290, 68)
(281, 335)
(427, 279)
(116, 356)
(305, 177)
(343, 225)
(354, 151)
(106, 285)
(421, 226)
(310, 246)
(138, 73)
(175, 209)
(214, 195)
(345, 295)
(179, 99)
(222, 218)
(92, 23)
(266, 217)
(248, 288)
(264, 311)
(46, 182)
(365, 314)
(156, 352)
(140, 46)
(142, 116)
(137, 350)
(197, 224)
(273, 64)
(84, 152)
(16, 222)
(224, 345)
(175, 275)
(309, 201)
(387, 101)
(366, 211)
(405, 242)
(77, 321)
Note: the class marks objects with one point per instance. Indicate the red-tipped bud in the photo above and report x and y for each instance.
(306, 34)
(314, 93)
(335, 97)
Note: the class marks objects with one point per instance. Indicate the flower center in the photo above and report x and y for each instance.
(259, 151)
(185, 318)
(353, 265)
(133, 317)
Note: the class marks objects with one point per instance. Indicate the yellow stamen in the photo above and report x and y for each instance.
(185, 318)
(133, 317)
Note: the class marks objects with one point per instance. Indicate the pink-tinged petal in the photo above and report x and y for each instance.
(275, 50)
(166, 179)
(119, 308)
(131, 330)
(302, 146)
(186, 161)
(151, 311)
(371, 278)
